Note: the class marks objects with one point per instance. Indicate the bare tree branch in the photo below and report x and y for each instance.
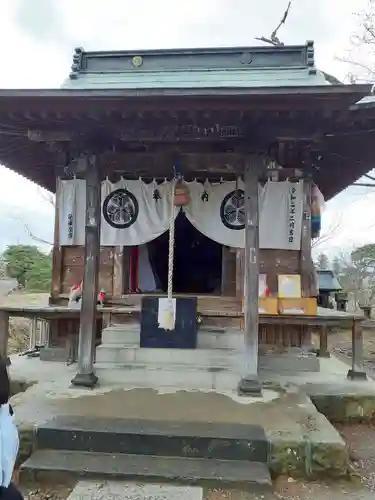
(273, 39)
(48, 197)
(332, 231)
(31, 234)
(362, 51)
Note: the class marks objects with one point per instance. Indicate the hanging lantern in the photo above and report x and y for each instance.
(181, 194)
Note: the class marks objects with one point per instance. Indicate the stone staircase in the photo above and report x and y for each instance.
(214, 365)
(234, 455)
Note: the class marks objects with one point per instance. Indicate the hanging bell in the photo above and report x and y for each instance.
(181, 194)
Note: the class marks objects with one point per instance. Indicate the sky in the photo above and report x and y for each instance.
(37, 39)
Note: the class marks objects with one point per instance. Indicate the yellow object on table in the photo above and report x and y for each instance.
(304, 306)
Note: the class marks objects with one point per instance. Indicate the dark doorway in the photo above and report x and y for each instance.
(197, 260)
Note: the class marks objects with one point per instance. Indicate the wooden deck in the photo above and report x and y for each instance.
(324, 319)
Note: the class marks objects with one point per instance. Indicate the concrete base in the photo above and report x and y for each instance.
(215, 364)
(323, 354)
(301, 440)
(356, 375)
(208, 337)
(249, 386)
(54, 354)
(88, 380)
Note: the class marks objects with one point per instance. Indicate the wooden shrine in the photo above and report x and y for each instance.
(251, 115)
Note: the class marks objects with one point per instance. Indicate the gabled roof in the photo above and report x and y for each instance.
(328, 282)
(217, 68)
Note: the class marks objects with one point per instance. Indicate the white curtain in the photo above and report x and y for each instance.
(71, 205)
(218, 211)
(134, 212)
(280, 215)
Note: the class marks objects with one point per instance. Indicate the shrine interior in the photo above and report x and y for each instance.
(197, 260)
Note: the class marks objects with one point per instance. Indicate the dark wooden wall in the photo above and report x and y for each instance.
(113, 272)
(72, 268)
(114, 263)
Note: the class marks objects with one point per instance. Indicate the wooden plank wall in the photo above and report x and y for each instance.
(114, 263)
(72, 268)
(272, 263)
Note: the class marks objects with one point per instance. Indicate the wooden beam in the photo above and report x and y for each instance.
(87, 332)
(49, 136)
(249, 384)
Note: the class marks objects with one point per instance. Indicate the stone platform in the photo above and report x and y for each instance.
(301, 440)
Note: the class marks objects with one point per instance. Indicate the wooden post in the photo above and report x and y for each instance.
(57, 256)
(4, 335)
(323, 342)
(249, 384)
(307, 266)
(87, 332)
(240, 261)
(118, 272)
(228, 272)
(32, 332)
(357, 372)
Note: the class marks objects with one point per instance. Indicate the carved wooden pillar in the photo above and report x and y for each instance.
(85, 375)
(249, 384)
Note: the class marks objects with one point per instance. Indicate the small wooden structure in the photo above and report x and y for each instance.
(328, 285)
(250, 115)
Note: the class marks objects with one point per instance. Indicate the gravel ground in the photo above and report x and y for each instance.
(46, 490)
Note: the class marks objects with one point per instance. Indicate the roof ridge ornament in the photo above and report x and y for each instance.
(77, 63)
(310, 57)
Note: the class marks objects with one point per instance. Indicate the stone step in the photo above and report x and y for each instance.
(95, 488)
(128, 334)
(171, 376)
(209, 337)
(148, 437)
(224, 358)
(236, 474)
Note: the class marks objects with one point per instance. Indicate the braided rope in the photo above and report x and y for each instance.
(171, 245)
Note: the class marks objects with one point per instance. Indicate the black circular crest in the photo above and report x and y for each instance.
(232, 210)
(120, 209)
